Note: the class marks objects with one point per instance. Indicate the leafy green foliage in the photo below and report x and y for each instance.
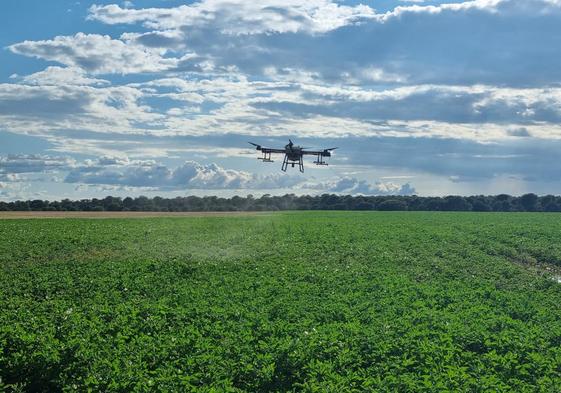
(479, 203)
(309, 301)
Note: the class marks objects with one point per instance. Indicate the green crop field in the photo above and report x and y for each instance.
(310, 301)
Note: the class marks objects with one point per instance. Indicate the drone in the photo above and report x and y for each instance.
(293, 155)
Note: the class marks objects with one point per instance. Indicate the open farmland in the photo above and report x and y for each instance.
(310, 301)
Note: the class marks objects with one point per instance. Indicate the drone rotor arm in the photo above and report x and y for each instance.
(274, 151)
(257, 147)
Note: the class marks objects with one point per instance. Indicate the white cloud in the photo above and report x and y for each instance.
(312, 108)
(374, 74)
(189, 175)
(125, 173)
(9, 177)
(485, 5)
(274, 100)
(19, 191)
(12, 165)
(316, 69)
(98, 54)
(352, 185)
(44, 109)
(62, 76)
(240, 16)
(275, 16)
(403, 44)
(156, 39)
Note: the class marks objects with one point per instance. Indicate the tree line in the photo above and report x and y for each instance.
(499, 203)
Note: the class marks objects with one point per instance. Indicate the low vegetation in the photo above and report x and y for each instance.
(308, 301)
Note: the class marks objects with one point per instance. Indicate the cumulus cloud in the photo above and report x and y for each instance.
(240, 17)
(274, 16)
(452, 104)
(486, 5)
(318, 69)
(98, 54)
(318, 109)
(324, 87)
(519, 132)
(45, 108)
(189, 175)
(62, 76)
(352, 185)
(9, 177)
(385, 51)
(19, 191)
(460, 159)
(235, 104)
(374, 47)
(152, 175)
(14, 164)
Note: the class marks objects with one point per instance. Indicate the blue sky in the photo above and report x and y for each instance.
(161, 97)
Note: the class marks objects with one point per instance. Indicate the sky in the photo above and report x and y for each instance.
(160, 97)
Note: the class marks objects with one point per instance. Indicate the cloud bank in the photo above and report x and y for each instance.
(190, 175)
(478, 103)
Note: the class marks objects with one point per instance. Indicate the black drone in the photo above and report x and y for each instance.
(293, 155)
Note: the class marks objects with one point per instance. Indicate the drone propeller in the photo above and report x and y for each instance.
(255, 144)
(330, 149)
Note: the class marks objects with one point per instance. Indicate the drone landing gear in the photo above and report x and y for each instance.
(266, 157)
(319, 160)
(286, 161)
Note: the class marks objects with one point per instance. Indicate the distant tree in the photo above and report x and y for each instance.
(552, 207)
(481, 204)
(529, 202)
(550, 203)
(110, 203)
(328, 200)
(392, 205)
(547, 200)
(96, 205)
(502, 205)
(143, 203)
(502, 202)
(415, 203)
(38, 204)
(456, 203)
(434, 204)
(128, 203)
(238, 202)
(363, 206)
(66, 205)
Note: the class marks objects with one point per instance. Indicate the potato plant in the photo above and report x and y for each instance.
(285, 302)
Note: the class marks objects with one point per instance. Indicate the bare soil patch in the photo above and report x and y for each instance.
(59, 214)
(546, 269)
